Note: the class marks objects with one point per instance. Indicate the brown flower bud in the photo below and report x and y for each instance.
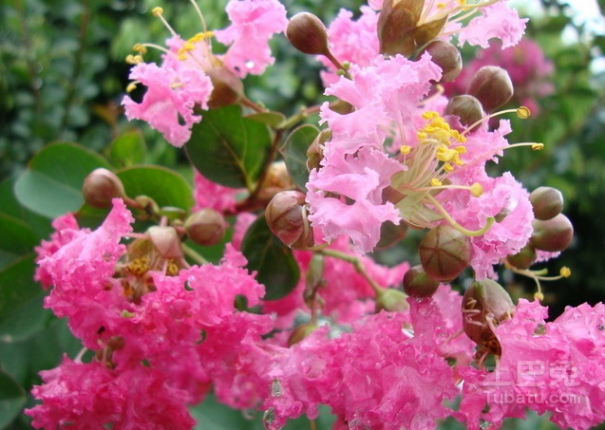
(227, 89)
(100, 186)
(444, 253)
(547, 202)
(286, 217)
(392, 300)
(416, 283)
(447, 57)
(308, 34)
(465, 107)
(277, 179)
(492, 86)
(552, 235)
(398, 30)
(315, 151)
(524, 258)
(166, 241)
(485, 302)
(390, 234)
(206, 227)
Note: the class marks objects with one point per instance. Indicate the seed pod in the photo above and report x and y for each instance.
(308, 34)
(492, 86)
(285, 215)
(485, 302)
(100, 187)
(547, 202)
(447, 57)
(416, 283)
(552, 235)
(206, 227)
(444, 253)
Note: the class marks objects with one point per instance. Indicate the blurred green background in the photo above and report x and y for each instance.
(62, 77)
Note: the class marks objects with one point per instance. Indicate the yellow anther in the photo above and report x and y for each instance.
(131, 87)
(436, 182)
(539, 296)
(523, 112)
(172, 269)
(565, 272)
(440, 5)
(138, 266)
(405, 149)
(181, 56)
(429, 114)
(460, 149)
(476, 189)
(188, 46)
(462, 2)
(421, 135)
(456, 135)
(448, 167)
(130, 59)
(140, 48)
(157, 11)
(445, 154)
(537, 146)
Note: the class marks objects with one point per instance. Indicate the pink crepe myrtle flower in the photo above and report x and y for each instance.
(208, 194)
(496, 21)
(84, 396)
(544, 367)
(253, 23)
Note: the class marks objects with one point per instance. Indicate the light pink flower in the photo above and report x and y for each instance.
(496, 21)
(173, 90)
(253, 23)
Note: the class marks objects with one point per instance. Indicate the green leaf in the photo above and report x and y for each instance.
(128, 149)
(273, 261)
(12, 398)
(228, 148)
(21, 312)
(17, 239)
(272, 119)
(163, 185)
(294, 151)
(52, 185)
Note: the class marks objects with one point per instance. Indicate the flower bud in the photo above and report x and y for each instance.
(485, 302)
(301, 332)
(444, 253)
(390, 234)
(286, 217)
(392, 300)
(524, 258)
(227, 89)
(206, 227)
(398, 31)
(552, 235)
(492, 86)
(465, 107)
(416, 283)
(308, 34)
(277, 179)
(547, 202)
(100, 187)
(447, 57)
(315, 151)
(166, 241)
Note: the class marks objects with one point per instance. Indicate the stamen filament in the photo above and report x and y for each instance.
(472, 233)
(199, 13)
(158, 12)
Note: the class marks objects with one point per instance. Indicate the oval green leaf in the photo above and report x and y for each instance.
(272, 119)
(273, 261)
(12, 399)
(294, 151)
(128, 149)
(165, 186)
(228, 148)
(52, 184)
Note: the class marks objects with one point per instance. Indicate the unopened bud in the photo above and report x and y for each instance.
(492, 87)
(286, 217)
(465, 107)
(100, 187)
(547, 202)
(447, 57)
(277, 179)
(392, 300)
(308, 34)
(206, 227)
(416, 283)
(301, 332)
(524, 258)
(315, 151)
(444, 253)
(166, 241)
(484, 303)
(552, 235)
(227, 89)
(391, 233)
